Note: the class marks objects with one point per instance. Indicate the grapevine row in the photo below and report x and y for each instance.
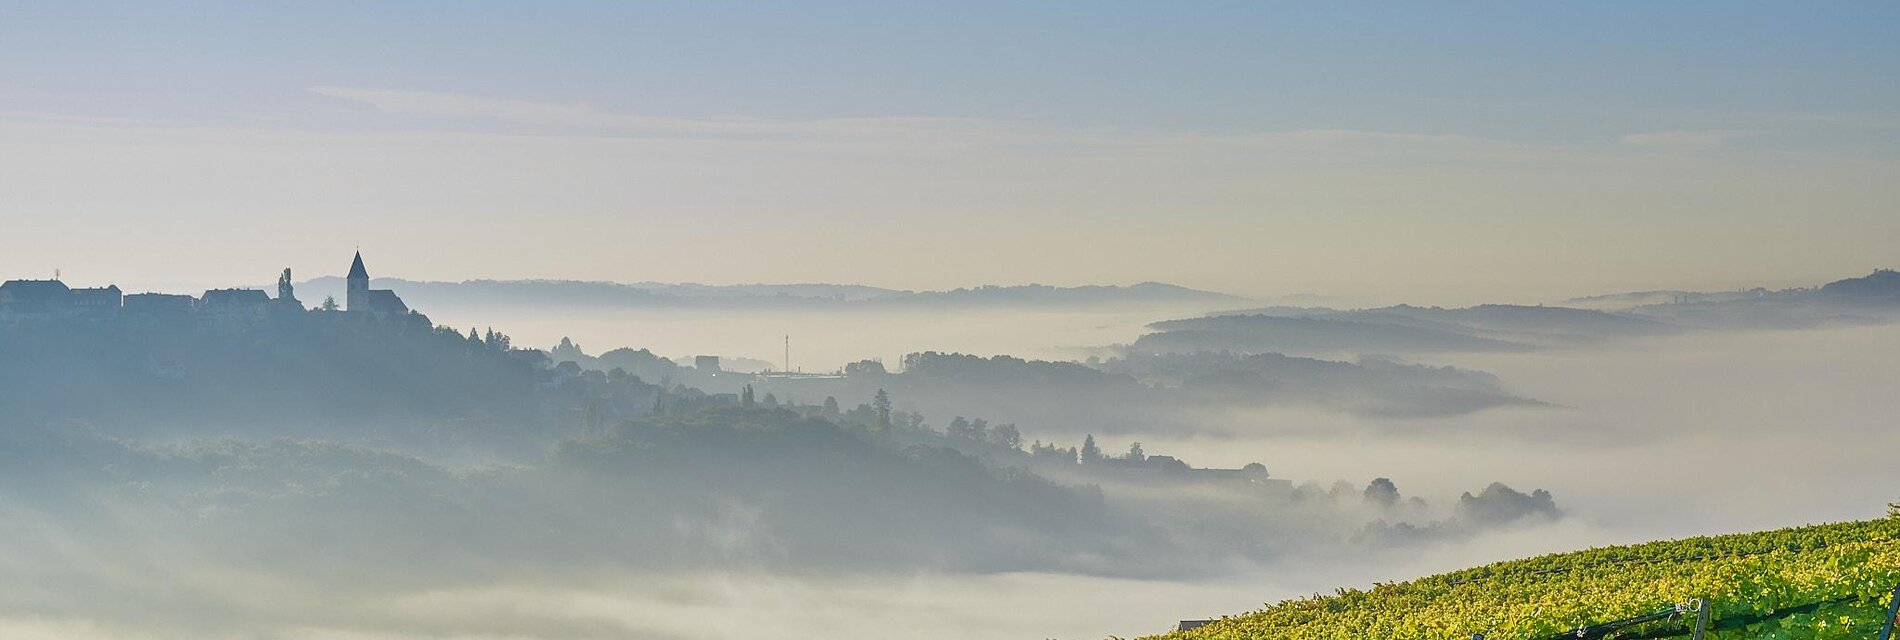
(1811, 583)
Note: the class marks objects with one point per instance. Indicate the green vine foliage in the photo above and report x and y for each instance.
(1748, 579)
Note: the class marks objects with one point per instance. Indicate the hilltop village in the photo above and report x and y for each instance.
(379, 377)
(373, 359)
(28, 300)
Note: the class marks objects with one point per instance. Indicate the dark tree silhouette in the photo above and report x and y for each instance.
(1382, 492)
(1090, 452)
(1006, 436)
(881, 403)
(959, 428)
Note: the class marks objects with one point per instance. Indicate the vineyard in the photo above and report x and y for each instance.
(1808, 583)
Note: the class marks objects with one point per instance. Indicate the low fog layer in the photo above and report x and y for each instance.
(293, 452)
(569, 294)
(1659, 436)
(828, 325)
(311, 476)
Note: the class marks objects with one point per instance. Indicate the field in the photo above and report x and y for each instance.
(1807, 583)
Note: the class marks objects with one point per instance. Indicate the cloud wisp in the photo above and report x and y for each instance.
(1689, 139)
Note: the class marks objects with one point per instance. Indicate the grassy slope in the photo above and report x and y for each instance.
(1856, 563)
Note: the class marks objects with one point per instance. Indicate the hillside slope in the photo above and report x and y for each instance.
(1760, 585)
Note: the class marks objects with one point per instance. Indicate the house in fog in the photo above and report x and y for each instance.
(52, 298)
(34, 297)
(158, 304)
(233, 307)
(96, 301)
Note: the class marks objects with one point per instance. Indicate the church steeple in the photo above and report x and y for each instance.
(356, 295)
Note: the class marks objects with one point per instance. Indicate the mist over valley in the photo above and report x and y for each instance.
(812, 320)
(419, 457)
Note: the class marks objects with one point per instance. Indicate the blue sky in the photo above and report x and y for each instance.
(1759, 90)
(1506, 67)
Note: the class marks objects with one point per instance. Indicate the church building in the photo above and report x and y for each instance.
(359, 298)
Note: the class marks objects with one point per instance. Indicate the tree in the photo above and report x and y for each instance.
(979, 430)
(1893, 509)
(1090, 452)
(959, 428)
(474, 339)
(881, 403)
(1007, 437)
(831, 406)
(329, 303)
(1052, 452)
(567, 350)
(1341, 490)
(1382, 492)
(1135, 454)
(745, 396)
(863, 368)
(770, 400)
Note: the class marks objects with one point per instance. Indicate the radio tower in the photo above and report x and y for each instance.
(788, 353)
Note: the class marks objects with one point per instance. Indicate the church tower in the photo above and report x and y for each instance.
(356, 298)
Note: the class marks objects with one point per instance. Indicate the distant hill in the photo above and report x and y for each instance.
(1146, 293)
(1503, 321)
(1539, 320)
(1535, 325)
(583, 294)
(1308, 335)
(1883, 284)
(1368, 386)
(289, 374)
(1869, 299)
(1634, 299)
(1144, 391)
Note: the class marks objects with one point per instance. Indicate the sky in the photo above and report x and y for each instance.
(1482, 151)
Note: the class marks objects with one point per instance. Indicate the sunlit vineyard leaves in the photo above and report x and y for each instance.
(1851, 566)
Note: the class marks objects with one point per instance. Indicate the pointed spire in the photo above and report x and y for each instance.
(356, 268)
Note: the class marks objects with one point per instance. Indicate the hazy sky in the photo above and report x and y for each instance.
(1415, 151)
